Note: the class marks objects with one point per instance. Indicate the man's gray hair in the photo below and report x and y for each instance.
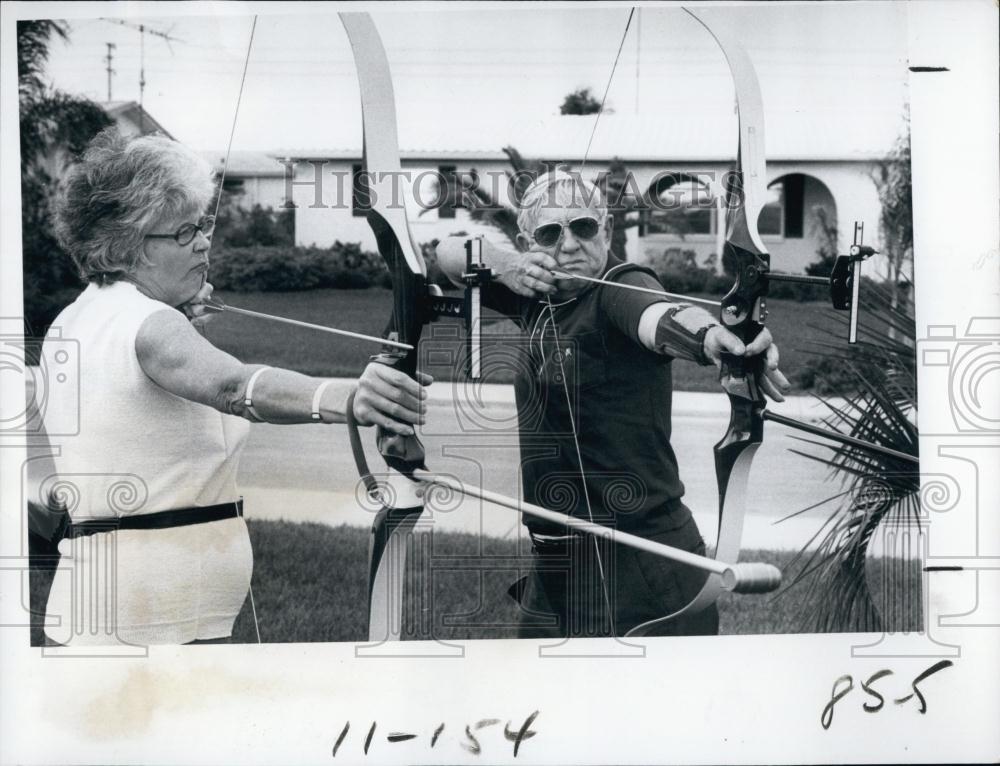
(561, 189)
(118, 191)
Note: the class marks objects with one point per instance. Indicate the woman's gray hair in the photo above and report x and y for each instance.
(558, 188)
(118, 191)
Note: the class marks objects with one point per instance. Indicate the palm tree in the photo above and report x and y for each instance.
(54, 127)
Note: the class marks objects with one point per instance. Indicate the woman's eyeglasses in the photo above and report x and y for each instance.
(187, 232)
(582, 228)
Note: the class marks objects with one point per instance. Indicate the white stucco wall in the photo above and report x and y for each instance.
(324, 214)
(266, 191)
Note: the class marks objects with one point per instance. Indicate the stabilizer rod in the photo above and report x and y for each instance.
(838, 437)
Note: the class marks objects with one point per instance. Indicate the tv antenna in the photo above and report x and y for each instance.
(143, 30)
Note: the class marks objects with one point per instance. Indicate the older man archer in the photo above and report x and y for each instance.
(594, 404)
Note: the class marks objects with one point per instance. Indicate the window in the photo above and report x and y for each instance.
(794, 199)
(447, 201)
(683, 206)
(783, 211)
(770, 220)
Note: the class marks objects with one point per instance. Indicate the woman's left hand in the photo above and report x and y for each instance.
(390, 398)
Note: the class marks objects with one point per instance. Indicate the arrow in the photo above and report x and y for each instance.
(581, 278)
(217, 305)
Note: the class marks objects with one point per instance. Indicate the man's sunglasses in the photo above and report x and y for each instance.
(583, 228)
(188, 231)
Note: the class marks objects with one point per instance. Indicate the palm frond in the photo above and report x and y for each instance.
(879, 493)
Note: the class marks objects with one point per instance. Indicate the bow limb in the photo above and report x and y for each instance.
(743, 312)
(401, 505)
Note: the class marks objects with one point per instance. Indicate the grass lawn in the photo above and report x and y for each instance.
(796, 327)
(310, 584)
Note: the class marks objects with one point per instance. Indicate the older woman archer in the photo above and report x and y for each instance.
(161, 410)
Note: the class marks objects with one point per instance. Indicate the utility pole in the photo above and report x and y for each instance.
(111, 47)
(142, 77)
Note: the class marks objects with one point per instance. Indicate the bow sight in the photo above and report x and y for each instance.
(469, 308)
(844, 280)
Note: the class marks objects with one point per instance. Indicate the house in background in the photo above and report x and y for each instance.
(252, 178)
(819, 174)
(818, 169)
(132, 119)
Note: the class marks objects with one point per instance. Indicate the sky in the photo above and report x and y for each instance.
(468, 68)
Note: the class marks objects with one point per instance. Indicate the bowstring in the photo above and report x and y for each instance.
(218, 202)
(607, 89)
(579, 459)
(236, 114)
(559, 354)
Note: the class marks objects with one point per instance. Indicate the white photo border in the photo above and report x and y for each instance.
(748, 699)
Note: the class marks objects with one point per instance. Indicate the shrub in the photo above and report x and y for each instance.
(239, 227)
(342, 266)
(825, 376)
(283, 268)
(798, 292)
(679, 272)
(252, 269)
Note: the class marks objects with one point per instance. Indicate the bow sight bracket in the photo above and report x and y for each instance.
(469, 308)
(844, 280)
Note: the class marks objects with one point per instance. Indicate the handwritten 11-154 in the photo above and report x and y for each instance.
(470, 741)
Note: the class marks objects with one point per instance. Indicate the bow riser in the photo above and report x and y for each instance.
(743, 313)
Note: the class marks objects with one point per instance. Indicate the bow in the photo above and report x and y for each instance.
(415, 303)
(401, 507)
(743, 312)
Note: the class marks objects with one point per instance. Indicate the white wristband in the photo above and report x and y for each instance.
(316, 399)
(248, 398)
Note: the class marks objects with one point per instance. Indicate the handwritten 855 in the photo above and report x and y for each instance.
(868, 687)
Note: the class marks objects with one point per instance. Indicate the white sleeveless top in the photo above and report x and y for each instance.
(126, 445)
